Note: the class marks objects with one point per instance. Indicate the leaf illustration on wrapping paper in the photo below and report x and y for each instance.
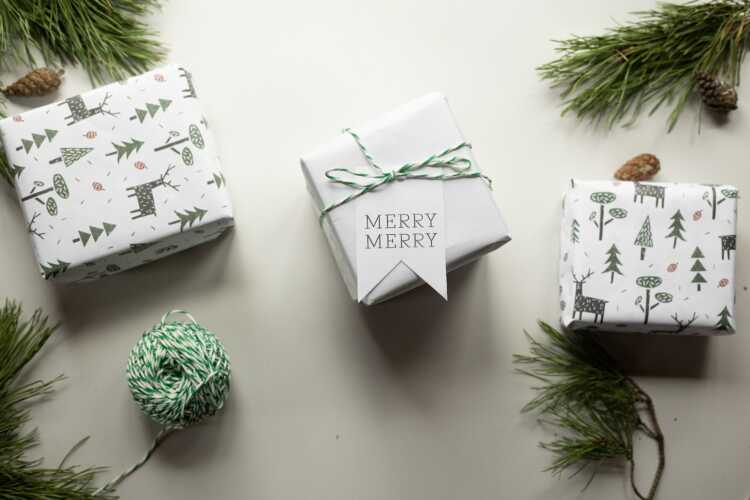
(174, 140)
(80, 111)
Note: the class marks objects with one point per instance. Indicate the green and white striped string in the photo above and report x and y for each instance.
(458, 167)
(178, 374)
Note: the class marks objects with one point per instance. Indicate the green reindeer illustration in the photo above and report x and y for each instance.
(584, 304)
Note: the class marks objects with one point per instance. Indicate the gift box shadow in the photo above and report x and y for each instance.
(658, 355)
(406, 328)
(161, 282)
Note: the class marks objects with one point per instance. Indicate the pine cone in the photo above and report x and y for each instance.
(716, 95)
(639, 168)
(39, 82)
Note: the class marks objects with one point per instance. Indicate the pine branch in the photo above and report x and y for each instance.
(22, 478)
(582, 391)
(5, 171)
(106, 37)
(651, 61)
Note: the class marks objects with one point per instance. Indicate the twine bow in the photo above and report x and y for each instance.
(458, 167)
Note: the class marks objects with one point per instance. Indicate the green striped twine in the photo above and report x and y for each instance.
(458, 168)
(178, 374)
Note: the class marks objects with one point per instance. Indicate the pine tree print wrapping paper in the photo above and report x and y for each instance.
(648, 257)
(474, 225)
(117, 177)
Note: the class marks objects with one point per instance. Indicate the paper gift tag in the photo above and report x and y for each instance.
(403, 224)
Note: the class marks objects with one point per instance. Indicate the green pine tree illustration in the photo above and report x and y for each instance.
(189, 217)
(676, 228)
(71, 155)
(151, 110)
(126, 148)
(94, 233)
(16, 170)
(37, 140)
(574, 228)
(724, 322)
(53, 269)
(698, 268)
(644, 238)
(218, 179)
(613, 263)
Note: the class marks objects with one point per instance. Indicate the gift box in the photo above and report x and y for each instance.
(649, 257)
(118, 176)
(425, 133)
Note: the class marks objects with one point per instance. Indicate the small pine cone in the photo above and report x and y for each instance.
(716, 95)
(39, 82)
(639, 168)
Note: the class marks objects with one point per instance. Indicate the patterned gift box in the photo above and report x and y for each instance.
(648, 257)
(117, 177)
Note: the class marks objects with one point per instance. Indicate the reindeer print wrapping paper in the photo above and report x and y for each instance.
(117, 177)
(648, 257)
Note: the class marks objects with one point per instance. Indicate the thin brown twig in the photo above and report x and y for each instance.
(655, 433)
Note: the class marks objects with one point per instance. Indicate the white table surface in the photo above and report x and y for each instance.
(414, 399)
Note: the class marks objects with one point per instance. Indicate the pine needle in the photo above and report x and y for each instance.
(582, 391)
(106, 37)
(22, 478)
(651, 61)
(5, 171)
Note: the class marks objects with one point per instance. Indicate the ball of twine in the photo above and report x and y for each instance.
(178, 373)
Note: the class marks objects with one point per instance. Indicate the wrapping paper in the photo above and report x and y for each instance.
(118, 176)
(648, 257)
(474, 225)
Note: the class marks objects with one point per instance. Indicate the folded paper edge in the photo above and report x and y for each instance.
(223, 224)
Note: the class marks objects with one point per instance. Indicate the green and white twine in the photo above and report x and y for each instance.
(458, 168)
(178, 374)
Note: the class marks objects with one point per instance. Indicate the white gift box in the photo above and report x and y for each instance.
(473, 223)
(118, 176)
(648, 257)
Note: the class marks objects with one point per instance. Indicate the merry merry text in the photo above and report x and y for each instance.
(412, 237)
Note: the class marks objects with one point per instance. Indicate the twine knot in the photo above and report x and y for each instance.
(457, 167)
(391, 176)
